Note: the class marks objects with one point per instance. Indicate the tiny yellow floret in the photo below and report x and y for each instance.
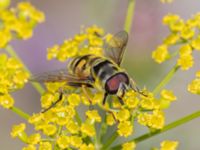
(88, 129)
(197, 74)
(185, 61)
(29, 147)
(72, 126)
(172, 39)
(130, 99)
(177, 26)
(125, 128)
(170, 18)
(169, 145)
(74, 99)
(129, 146)
(47, 99)
(63, 141)
(75, 141)
(93, 115)
(110, 120)
(194, 86)
(160, 54)
(168, 95)
(157, 120)
(123, 115)
(187, 33)
(87, 147)
(185, 50)
(34, 138)
(6, 101)
(49, 129)
(17, 129)
(196, 43)
(45, 146)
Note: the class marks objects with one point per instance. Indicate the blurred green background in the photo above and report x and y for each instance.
(63, 20)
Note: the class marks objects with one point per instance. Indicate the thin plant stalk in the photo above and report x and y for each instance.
(127, 27)
(110, 141)
(20, 113)
(129, 15)
(166, 79)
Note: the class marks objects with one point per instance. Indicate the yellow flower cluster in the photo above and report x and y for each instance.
(71, 132)
(194, 86)
(61, 126)
(146, 109)
(88, 41)
(19, 131)
(61, 122)
(155, 118)
(18, 22)
(12, 77)
(185, 35)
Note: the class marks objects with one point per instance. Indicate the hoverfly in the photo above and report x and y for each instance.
(100, 72)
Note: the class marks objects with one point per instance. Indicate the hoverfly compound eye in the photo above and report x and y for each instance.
(113, 83)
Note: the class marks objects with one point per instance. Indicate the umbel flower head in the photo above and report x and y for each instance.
(63, 127)
(18, 22)
(183, 35)
(12, 77)
(88, 41)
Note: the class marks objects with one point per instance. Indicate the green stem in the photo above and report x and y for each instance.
(127, 27)
(12, 53)
(20, 112)
(110, 141)
(167, 78)
(129, 15)
(78, 118)
(48, 140)
(97, 143)
(166, 128)
(103, 129)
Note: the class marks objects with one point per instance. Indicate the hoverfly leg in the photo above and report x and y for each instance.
(53, 104)
(135, 88)
(86, 94)
(105, 97)
(121, 91)
(108, 110)
(121, 101)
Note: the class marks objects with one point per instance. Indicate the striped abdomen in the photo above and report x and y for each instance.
(81, 66)
(105, 74)
(91, 65)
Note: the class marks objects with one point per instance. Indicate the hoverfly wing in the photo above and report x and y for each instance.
(52, 76)
(61, 75)
(115, 48)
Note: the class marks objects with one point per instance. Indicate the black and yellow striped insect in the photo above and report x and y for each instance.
(100, 72)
